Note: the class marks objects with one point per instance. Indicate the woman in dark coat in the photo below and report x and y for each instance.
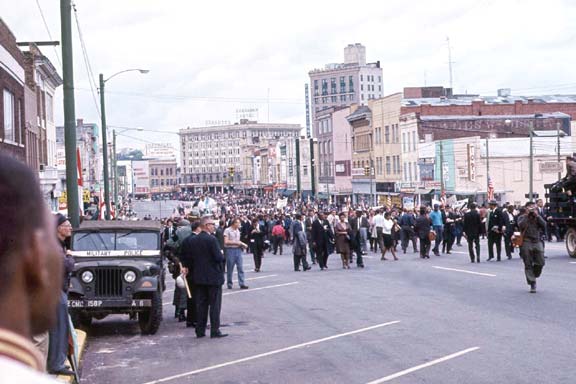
(257, 235)
(342, 230)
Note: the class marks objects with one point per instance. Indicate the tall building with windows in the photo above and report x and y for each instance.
(352, 82)
(213, 158)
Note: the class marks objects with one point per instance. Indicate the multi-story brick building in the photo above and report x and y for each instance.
(12, 86)
(163, 178)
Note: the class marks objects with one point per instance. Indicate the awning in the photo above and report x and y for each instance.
(306, 194)
(323, 195)
(288, 192)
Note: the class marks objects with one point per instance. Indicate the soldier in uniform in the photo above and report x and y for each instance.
(531, 225)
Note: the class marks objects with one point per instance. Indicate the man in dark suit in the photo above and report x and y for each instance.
(510, 223)
(206, 266)
(495, 229)
(185, 234)
(356, 223)
(472, 228)
(320, 239)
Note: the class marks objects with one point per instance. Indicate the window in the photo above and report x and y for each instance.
(361, 78)
(405, 172)
(415, 171)
(9, 117)
(361, 87)
(350, 84)
(342, 97)
(333, 85)
(342, 84)
(414, 140)
(305, 170)
(388, 166)
(315, 87)
(387, 134)
(404, 144)
(324, 87)
(409, 172)
(379, 79)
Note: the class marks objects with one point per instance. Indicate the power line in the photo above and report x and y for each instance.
(91, 77)
(48, 31)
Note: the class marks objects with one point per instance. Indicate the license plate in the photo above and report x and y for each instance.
(137, 303)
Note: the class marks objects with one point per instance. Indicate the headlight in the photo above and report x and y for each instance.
(87, 277)
(130, 276)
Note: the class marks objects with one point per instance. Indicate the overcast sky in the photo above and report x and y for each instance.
(209, 58)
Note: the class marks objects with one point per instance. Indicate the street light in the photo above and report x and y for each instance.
(104, 140)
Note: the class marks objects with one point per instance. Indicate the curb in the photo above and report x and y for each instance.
(81, 337)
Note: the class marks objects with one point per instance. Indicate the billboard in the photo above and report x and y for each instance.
(141, 173)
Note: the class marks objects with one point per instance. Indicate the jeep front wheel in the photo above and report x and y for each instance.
(150, 319)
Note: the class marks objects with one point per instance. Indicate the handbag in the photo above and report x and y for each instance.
(518, 238)
(431, 235)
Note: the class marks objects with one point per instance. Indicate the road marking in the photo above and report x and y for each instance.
(572, 262)
(257, 278)
(260, 288)
(460, 253)
(275, 352)
(464, 271)
(422, 366)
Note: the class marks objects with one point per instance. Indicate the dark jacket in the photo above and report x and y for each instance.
(68, 266)
(496, 219)
(407, 220)
(422, 226)
(202, 256)
(532, 226)
(472, 223)
(300, 240)
(321, 232)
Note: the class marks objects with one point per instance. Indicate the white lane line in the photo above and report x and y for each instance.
(460, 253)
(275, 352)
(464, 271)
(422, 366)
(258, 278)
(260, 288)
(572, 262)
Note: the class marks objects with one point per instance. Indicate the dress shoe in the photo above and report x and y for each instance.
(229, 287)
(63, 371)
(200, 335)
(307, 268)
(181, 318)
(218, 335)
(243, 287)
(509, 257)
(296, 270)
(359, 266)
(190, 325)
(490, 258)
(533, 287)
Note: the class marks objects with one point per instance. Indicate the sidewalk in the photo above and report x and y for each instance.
(81, 335)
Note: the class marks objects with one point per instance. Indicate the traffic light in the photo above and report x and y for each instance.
(231, 171)
(366, 171)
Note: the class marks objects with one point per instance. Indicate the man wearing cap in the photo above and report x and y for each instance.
(206, 266)
(495, 227)
(30, 271)
(58, 336)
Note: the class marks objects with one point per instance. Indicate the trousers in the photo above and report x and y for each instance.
(58, 337)
(234, 258)
(494, 239)
(532, 254)
(208, 301)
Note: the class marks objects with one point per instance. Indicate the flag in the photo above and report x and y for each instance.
(79, 167)
(490, 189)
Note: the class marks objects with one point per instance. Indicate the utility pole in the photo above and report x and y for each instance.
(531, 165)
(104, 149)
(115, 167)
(487, 168)
(298, 185)
(312, 170)
(442, 186)
(450, 62)
(370, 179)
(69, 113)
(558, 148)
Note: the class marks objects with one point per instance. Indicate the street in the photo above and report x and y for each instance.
(442, 320)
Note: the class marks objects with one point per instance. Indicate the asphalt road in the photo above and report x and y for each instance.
(442, 320)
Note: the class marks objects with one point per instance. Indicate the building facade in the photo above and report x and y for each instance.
(12, 86)
(208, 154)
(352, 82)
(163, 178)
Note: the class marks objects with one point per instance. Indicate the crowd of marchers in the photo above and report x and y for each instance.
(313, 233)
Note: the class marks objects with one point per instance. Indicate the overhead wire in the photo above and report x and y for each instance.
(48, 31)
(89, 72)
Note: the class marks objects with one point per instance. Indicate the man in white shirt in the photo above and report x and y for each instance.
(233, 248)
(379, 225)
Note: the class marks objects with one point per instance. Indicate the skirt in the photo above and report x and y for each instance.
(387, 240)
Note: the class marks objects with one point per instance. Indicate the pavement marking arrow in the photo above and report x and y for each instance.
(275, 352)
(464, 271)
(422, 366)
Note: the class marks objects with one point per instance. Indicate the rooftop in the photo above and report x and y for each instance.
(468, 99)
(554, 115)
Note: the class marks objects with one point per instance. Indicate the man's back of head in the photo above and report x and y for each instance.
(30, 258)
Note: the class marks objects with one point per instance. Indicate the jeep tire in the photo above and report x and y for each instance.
(150, 319)
(571, 242)
(81, 320)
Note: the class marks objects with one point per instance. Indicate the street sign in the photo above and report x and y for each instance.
(550, 167)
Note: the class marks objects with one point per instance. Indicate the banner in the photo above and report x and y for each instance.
(281, 203)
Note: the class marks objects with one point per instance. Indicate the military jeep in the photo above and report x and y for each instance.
(119, 269)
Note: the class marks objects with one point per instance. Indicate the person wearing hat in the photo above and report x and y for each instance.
(495, 227)
(58, 336)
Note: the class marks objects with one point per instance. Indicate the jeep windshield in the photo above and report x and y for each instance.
(114, 241)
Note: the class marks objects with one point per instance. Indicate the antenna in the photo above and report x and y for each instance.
(450, 62)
